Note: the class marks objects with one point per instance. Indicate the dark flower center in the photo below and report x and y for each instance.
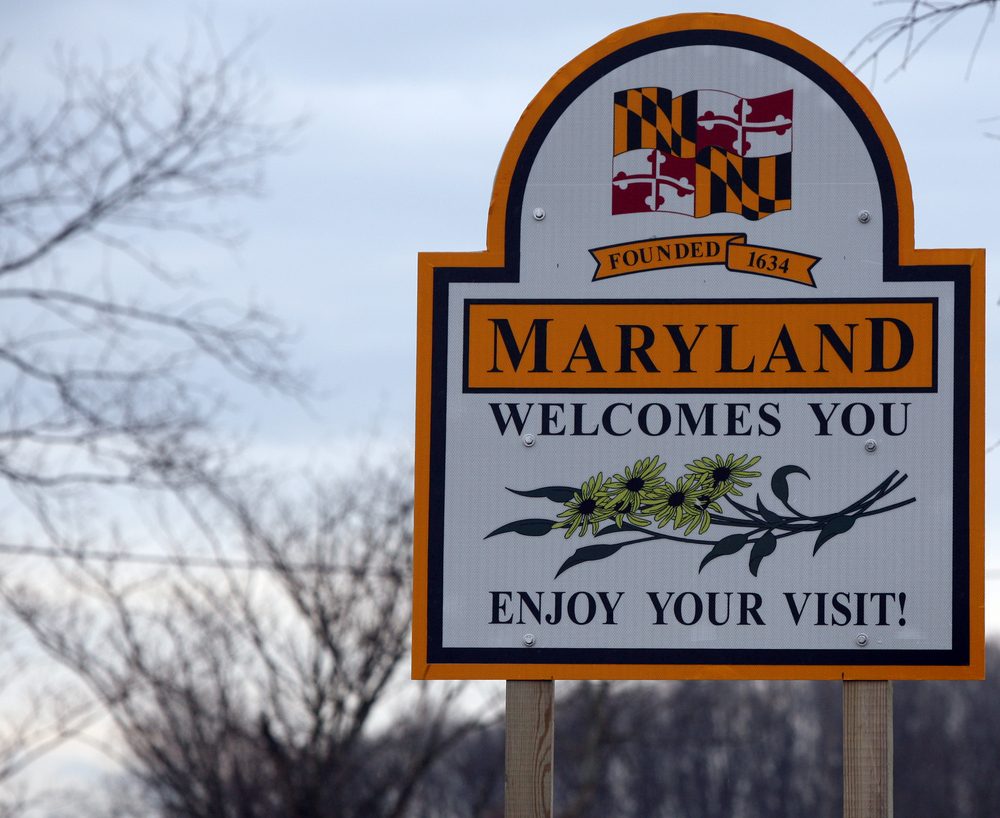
(587, 506)
(635, 484)
(676, 499)
(722, 474)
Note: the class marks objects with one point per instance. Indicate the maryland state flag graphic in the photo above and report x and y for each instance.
(702, 152)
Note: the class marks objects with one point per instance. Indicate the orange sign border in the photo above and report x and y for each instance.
(494, 257)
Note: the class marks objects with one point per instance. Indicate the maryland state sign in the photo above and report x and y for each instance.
(700, 409)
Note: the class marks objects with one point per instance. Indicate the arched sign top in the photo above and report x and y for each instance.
(700, 409)
(742, 34)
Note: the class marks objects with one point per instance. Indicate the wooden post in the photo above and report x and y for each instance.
(867, 749)
(528, 765)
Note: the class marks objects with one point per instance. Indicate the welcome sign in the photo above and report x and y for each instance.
(700, 410)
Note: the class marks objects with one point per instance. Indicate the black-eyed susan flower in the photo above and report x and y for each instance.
(628, 492)
(726, 476)
(688, 503)
(586, 508)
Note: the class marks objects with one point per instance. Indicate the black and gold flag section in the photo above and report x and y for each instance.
(753, 187)
(654, 118)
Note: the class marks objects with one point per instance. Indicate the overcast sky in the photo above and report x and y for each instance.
(409, 107)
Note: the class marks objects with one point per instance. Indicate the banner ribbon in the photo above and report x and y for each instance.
(729, 249)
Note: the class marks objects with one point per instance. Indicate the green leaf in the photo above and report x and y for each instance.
(724, 547)
(589, 553)
(838, 525)
(529, 528)
(763, 547)
(779, 481)
(557, 494)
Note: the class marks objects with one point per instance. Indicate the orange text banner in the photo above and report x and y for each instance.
(729, 249)
(835, 345)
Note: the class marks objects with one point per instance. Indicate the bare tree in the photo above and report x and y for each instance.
(104, 375)
(109, 353)
(905, 35)
(739, 750)
(271, 687)
(246, 638)
(947, 740)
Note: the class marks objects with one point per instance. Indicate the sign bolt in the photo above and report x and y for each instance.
(538, 213)
(864, 217)
(528, 440)
(529, 640)
(862, 639)
(870, 445)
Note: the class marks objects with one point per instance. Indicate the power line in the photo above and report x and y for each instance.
(178, 561)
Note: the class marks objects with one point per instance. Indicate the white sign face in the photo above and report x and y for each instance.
(700, 410)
